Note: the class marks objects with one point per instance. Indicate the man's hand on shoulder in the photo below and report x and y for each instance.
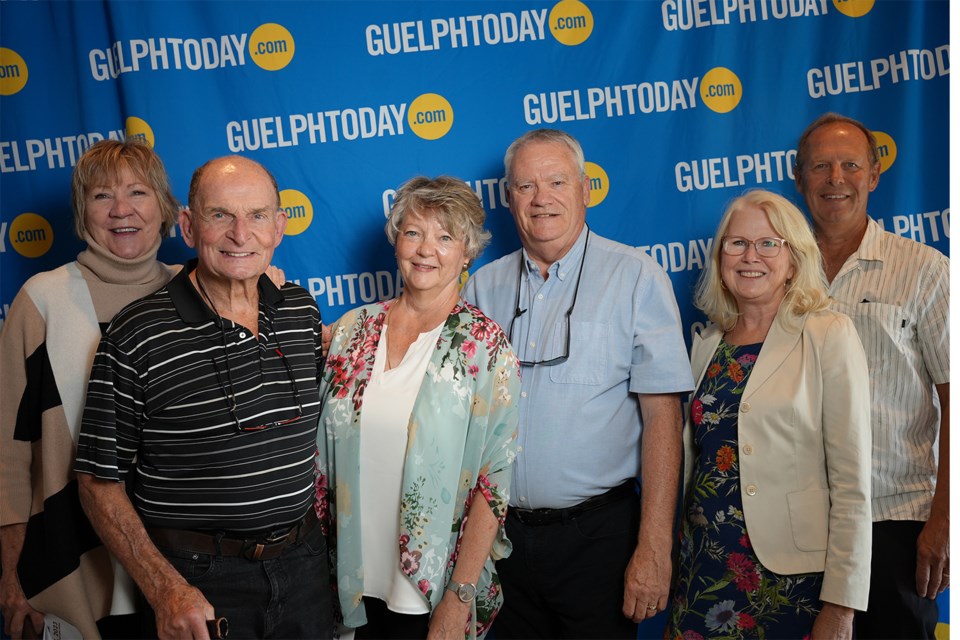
(276, 275)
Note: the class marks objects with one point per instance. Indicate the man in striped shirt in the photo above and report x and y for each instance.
(897, 293)
(203, 399)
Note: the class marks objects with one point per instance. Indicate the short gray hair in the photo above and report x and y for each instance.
(454, 203)
(545, 135)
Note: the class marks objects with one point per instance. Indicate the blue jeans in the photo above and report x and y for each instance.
(287, 597)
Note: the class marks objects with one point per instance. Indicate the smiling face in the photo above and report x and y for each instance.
(753, 280)
(548, 199)
(236, 223)
(124, 217)
(429, 257)
(836, 178)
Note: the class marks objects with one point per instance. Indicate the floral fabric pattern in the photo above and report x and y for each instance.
(461, 441)
(723, 591)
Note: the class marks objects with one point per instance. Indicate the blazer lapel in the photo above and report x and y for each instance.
(779, 344)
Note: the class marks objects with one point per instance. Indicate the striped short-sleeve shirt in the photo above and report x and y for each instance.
(897, 293)
(217, 425)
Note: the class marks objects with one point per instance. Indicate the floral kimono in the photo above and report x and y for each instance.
(461, 441)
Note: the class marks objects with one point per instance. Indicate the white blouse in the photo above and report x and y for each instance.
(387, 404)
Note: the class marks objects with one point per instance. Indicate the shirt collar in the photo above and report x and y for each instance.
(871, 245)
(569, 263)
(191, 307)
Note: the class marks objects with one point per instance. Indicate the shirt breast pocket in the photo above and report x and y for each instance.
(882, 329)
(588, 362)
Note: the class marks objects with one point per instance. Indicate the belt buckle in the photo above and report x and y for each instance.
(274, 538)
(253, 549)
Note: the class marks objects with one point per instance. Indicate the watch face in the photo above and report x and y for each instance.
(467, 592)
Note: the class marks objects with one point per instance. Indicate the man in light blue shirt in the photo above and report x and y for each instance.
(597, 330)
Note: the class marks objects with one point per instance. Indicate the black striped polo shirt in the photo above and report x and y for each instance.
(218, 426)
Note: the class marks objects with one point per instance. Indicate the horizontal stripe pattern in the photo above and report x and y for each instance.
(160, 397)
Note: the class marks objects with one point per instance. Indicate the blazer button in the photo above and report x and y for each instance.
(747, 449)
(751, 490)
(745, 407)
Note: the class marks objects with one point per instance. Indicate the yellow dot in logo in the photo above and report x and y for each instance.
(854, 8)
(13, 72)
(299, 211)
(31, 235)
(720, 90)
(887, 149)
(271, 46)
(599, 183)
(138, 128)
(571, 22)
(430, 116)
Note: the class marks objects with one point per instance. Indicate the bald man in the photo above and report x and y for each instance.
(203, 400)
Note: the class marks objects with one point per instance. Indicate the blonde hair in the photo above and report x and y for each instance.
(101, 165)
(806, 292)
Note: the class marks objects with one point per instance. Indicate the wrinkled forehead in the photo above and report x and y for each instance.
(838, 139)
(544, 158)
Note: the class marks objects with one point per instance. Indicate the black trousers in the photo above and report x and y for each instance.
(382, 623)
(565, 580)
(895, 610)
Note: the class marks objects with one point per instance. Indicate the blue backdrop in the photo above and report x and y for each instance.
(680, 106)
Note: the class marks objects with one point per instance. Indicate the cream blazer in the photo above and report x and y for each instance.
(804, 452)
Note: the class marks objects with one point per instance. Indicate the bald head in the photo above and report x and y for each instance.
(227, 167)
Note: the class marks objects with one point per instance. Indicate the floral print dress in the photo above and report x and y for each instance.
(723, 591)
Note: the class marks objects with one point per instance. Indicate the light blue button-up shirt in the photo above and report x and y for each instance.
(580, 423)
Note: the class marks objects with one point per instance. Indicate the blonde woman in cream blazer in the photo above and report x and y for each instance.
(798, 438)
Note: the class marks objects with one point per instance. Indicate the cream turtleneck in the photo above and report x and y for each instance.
(115, 282)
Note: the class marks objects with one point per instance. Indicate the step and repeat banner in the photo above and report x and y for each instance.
(680, 106)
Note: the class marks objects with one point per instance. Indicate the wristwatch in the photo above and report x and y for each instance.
(466, 592)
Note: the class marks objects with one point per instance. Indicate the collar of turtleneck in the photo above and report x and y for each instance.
(116, 270)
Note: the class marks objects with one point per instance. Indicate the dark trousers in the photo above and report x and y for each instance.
(565, 580)
(382, 623)
(286, 597)
(895, 610)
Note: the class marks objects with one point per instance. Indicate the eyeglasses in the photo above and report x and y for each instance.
(231, 398)
(765, 247)
(519, 312)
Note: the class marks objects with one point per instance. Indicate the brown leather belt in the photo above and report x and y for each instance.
(540, 517)
(259, 548)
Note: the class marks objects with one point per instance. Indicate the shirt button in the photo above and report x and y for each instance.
(539, 296)
(745, 407)
(523, 498)
(751, 490)
(748, 449)
(243, 334)
(533, 344)
(523, 394)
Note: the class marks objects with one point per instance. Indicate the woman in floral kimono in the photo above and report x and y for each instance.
(417, 433)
